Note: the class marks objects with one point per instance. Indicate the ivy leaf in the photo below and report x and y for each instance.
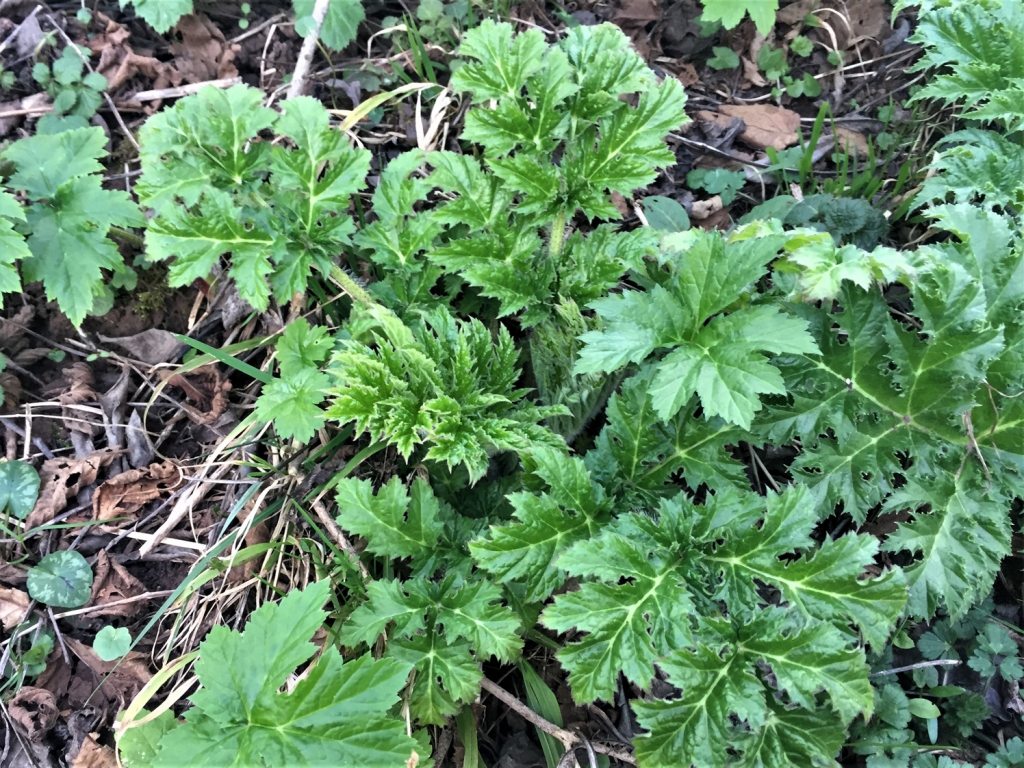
(337, 714)
(573, 508)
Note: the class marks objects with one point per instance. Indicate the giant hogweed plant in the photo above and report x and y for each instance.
(894, 377)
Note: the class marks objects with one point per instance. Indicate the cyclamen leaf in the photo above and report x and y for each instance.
(338, 713)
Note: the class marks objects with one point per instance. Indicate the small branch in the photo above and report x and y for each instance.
(339, 536)
(568, 739)
(919, 665)
(184, 90)
(308, 49)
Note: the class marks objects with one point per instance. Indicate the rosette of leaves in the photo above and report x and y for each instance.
(216, 188)
(977, 52)
(652, 576)
(928, 396)
(558, 139)
(66, 220)
(76, 94)
(444, 384)
(444, 628)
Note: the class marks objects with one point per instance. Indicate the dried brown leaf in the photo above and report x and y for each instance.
(63, 477)
(126, 494)
(767, 125)
(112, 583)
(35, 710)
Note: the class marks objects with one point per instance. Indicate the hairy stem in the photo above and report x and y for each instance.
(351, 287)
(557, 238)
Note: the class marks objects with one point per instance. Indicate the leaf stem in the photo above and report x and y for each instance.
(569, 739)
(128, 237)
(557, 237)
(351, 287)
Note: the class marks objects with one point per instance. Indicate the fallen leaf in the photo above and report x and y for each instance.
(140, 449)
(35, 710)
(153, 347)
(64, 477)
(752, 74)
(80, 381)
(862, 20)
(203, 53)
(794, 13)
(13, 604)
(702, 209)
(119, 63)
(11, 575)
(852, 142)
(74, 685)
(207, 388)
(94, 755)
(767, 125)
(125, 494)
(112, 583)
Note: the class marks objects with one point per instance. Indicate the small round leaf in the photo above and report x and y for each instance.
(19, 488)
(111, 644)
(62, 579)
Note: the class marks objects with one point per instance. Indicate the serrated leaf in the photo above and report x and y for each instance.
(443, 630)
(732, 12)
(137, 747)
(62, 579)
(337, 714)
(573, 508)
(291, 403)
(502, 63)
(396, 521)
(720, 360)
(961, 541)
(301, 346)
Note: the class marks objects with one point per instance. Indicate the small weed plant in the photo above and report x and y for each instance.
(573, 403)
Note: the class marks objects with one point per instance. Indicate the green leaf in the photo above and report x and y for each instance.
(961, 542)
(111, 644)
(732, 12)
(62, 579)
(923, 708)
(138, 746)
(302, 347)
(337, 714)
(340, 24)
(291, 403)
(720, 360)
(724, 58)
(501, 64)
(573, 508)
(19, 488)
(396, 521)
(665, 214)
(447, 385)
(161, 15)
(443, 630)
